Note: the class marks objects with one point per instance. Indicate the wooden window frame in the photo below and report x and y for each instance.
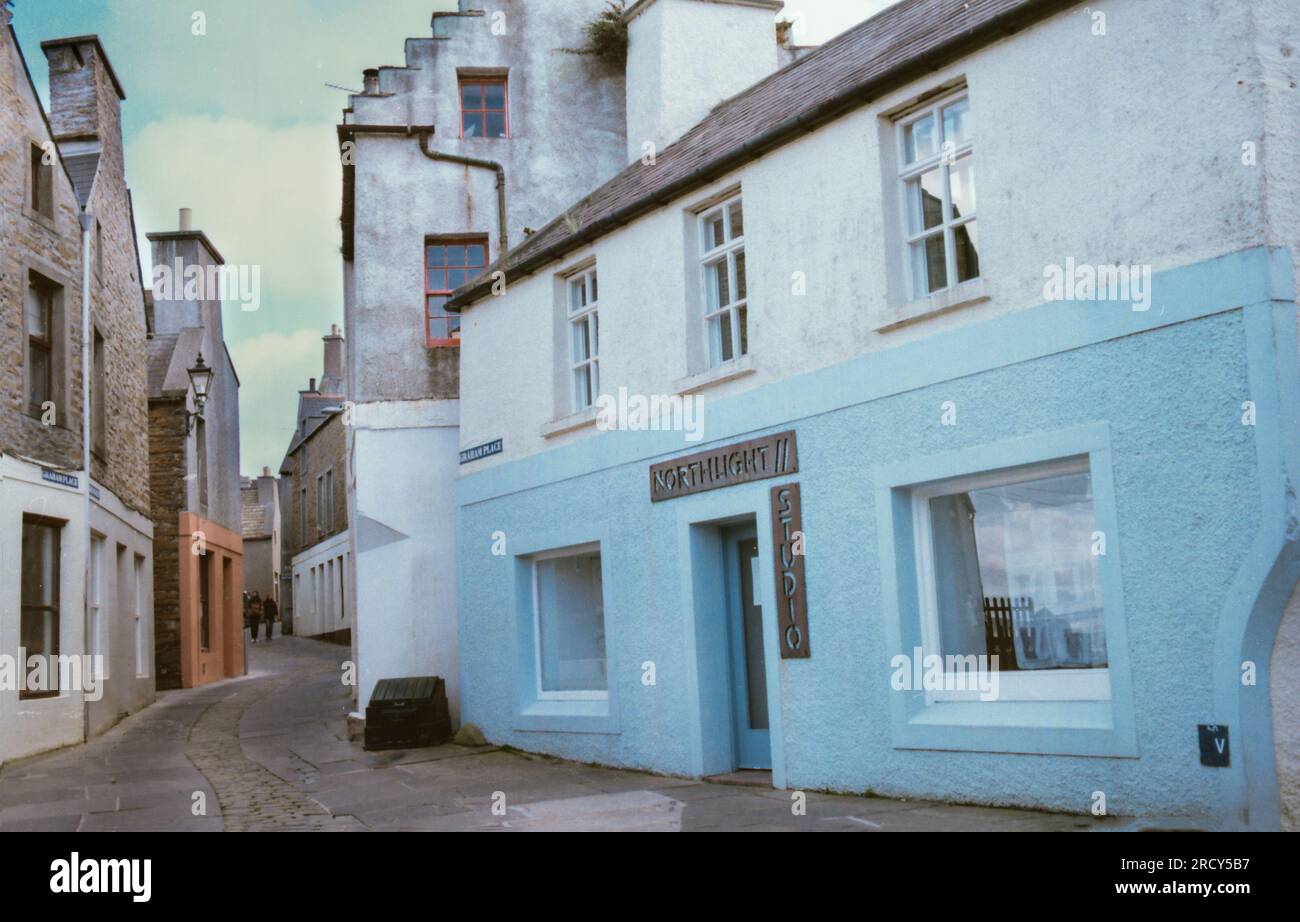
(450, 336)
(47, 294)
(40, 192)
(483, 83)
(55, 608)
(98, 395)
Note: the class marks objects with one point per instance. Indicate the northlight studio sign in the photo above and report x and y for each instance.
(757, 459)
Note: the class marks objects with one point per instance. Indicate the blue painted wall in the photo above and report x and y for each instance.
(1190, 506)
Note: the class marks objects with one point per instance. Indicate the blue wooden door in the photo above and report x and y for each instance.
(748, 669)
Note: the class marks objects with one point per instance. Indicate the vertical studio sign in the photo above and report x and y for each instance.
(791, 591)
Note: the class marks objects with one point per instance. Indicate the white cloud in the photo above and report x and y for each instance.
(272, 369)
(264, 196)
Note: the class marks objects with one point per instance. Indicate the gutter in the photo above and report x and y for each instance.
(504, 245)
(785, 131)
(87, 223)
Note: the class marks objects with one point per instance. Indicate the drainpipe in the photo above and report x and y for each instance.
(87, 224)
(482, 165)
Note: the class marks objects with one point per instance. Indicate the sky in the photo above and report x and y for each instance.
(239, 125)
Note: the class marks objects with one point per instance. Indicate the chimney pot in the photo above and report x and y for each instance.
(266, 471)
(311, 385)
(187, 219)
(371, 77)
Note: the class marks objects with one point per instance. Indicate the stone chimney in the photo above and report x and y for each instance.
(331, 381)
(85, 95)
(686, 56)
(267, 489)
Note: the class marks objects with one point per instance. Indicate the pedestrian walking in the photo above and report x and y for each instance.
(254, 614)
(269, 612)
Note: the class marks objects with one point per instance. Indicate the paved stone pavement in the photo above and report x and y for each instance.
(270, 752)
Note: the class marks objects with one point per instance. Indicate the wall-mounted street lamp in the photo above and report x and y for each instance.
(200, 380)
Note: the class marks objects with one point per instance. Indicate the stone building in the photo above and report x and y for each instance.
(488, 128)
(75, 550)
(317, 541)
(874, 484)
(193, 468)
(261, 530)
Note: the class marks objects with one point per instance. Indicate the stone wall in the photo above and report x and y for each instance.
(86, 115)
(321, 452)
(167, 489)
(31, 242)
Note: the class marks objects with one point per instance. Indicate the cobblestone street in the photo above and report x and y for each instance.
(270, 752)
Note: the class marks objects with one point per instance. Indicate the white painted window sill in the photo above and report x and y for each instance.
(948, 299)
(570, 423)
(727, 371)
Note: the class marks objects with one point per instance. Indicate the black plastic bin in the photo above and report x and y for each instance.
(408, 713)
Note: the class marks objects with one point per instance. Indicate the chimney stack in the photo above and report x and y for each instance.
(85, 95)
(187, 219)
(331, 381)
(678, 67)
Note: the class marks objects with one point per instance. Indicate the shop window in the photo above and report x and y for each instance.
(1008, 566)
(569, 626)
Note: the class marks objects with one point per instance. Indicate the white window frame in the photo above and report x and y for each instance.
(727, 253)
(1066, 685)
(910, 171)
(579, 315)
(577, 695)
(137, 602)
(95, 603)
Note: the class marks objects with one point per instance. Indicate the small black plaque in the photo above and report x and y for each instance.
(1214, 744)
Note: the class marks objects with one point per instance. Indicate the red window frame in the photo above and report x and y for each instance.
(482, 109)
(449, 262)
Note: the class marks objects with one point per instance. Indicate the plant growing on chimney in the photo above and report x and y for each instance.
(606, 37)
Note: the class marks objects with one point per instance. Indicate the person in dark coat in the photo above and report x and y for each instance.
(269, 612)
(254, 614)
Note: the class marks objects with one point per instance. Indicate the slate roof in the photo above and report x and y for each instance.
(170, 358)
(891, 49)
(314, 411)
